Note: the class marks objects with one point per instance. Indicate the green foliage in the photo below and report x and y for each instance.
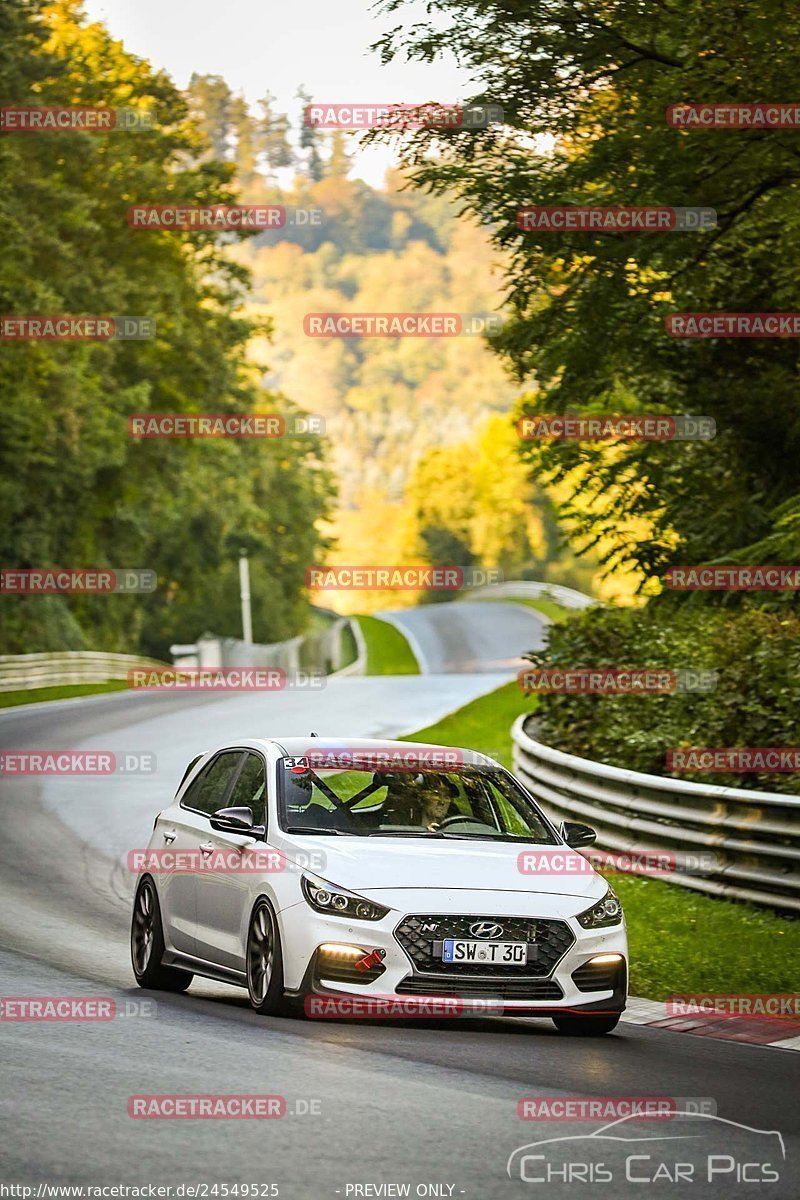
(756, 701)
(76, 490)
(589, 307)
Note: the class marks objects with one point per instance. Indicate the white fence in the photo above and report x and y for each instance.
(726, 841)
(19, 672)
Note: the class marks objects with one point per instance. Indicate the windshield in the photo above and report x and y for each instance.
(470, 802)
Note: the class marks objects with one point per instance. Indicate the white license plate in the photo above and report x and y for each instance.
(458, 950)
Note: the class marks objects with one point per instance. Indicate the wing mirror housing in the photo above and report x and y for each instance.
(234, 820)
(576, 835)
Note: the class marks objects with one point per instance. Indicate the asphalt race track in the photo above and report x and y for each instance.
(413, 1108)
(465, 638)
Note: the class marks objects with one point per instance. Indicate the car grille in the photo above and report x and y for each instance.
(417, 934)
(501, 989)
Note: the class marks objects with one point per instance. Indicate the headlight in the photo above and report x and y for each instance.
(607, 911)
(327, 898)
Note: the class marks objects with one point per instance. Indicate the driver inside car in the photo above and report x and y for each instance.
(437, 802)
(418, 800)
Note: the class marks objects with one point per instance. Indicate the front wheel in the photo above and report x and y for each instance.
(147, 944)
(264, 961)
(587, 1026)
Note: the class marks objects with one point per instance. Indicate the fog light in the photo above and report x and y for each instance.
(603, 973)
(337, 950)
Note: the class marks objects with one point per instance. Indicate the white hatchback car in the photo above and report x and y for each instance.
(301, 868)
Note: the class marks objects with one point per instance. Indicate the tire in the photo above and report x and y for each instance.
(587, 1026)
(147, 944)
(265, 961)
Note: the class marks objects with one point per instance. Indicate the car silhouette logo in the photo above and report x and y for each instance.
(486, 929)
(613, 1135)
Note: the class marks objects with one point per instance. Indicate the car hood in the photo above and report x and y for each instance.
(378, 864)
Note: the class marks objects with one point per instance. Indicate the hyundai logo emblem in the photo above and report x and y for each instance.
(486, 929)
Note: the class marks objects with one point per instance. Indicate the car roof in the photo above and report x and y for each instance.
(298, 746)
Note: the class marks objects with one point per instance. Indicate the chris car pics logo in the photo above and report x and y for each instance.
(701, 1153)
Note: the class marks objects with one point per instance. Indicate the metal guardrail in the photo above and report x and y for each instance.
(728, 842)
(569, 597)
(19, 672)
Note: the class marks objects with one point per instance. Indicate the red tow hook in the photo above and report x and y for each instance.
(373, 959)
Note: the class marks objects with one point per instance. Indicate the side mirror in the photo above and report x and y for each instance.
(233, 820)
(577, 835)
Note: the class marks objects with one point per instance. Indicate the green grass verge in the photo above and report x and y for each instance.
(483, 724)
(680, 941)
(36, 695)
(388, 652)
(548, 608)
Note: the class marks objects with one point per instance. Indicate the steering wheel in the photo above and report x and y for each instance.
(461, 817)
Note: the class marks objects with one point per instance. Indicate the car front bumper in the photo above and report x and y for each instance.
(560, 981)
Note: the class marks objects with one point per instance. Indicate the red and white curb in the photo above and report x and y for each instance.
(758, 1031)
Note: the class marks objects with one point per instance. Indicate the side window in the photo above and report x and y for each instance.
(207, 793)
(250, 789)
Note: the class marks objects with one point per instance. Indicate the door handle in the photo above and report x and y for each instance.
(170, 835)
(206, 847)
